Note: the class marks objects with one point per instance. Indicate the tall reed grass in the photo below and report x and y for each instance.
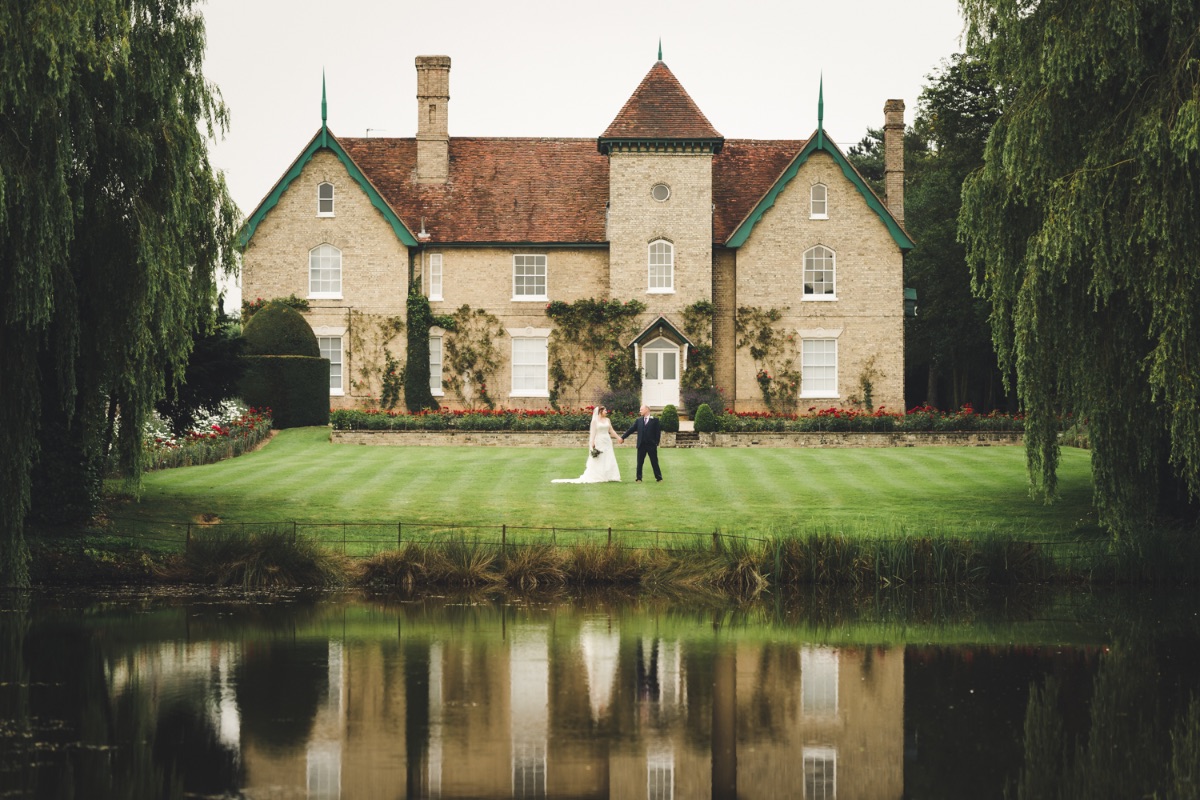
(727, 566)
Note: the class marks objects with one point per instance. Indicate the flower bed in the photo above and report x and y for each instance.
(837, 420)
(229, 433)
(922, 418)
(477, 420)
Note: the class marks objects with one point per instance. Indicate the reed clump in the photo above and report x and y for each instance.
(270, 559)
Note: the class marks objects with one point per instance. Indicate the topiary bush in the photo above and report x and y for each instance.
(284, 368)
(278, 330)
(706, 421)
(669, 419)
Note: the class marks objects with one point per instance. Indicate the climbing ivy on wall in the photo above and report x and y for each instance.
(775, 353)
(588, 338)
(471, 355)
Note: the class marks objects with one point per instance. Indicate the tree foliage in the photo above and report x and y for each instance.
(112, 225)
(948, 347)
(1081, 231)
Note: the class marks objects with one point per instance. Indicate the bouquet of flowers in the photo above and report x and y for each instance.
(595, 452)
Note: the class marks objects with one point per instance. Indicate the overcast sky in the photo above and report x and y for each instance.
(557, 68)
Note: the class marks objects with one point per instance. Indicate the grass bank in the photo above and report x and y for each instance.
(938, 492)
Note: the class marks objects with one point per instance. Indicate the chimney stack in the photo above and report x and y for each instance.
(893, 157)
(433, 120)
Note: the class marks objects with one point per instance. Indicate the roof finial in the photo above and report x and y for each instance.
(324, 109)
(821, 113)
(660, 48)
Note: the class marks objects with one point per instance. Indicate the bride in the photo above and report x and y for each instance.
(602, 461)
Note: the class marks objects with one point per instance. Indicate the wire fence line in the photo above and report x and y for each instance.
(364, 539)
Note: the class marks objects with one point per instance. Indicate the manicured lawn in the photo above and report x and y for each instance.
(301, 476)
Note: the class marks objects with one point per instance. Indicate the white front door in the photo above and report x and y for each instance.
(660, 373)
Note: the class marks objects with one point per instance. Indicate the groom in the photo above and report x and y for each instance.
(648, 433)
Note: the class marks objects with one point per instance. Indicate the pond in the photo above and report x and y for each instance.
(900, 695)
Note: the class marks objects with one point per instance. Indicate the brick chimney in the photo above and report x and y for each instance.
(433, 120)
(893, 157)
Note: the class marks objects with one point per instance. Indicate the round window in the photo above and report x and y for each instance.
(660, 192)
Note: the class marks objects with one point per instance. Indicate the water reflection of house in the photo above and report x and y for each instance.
(586, 713)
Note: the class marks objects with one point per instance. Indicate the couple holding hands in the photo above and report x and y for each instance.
(602, 460)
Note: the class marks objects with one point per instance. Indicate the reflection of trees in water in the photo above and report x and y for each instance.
(280, 686)
(78, 741)
(1140, 740)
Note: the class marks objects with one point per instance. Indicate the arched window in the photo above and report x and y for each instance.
(819, 273)
(819, 202)
(662, 266)
(325, 272)
(325, 200)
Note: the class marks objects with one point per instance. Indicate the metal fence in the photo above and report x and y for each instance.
(364, 539)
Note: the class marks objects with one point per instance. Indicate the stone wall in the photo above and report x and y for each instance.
(579, 438)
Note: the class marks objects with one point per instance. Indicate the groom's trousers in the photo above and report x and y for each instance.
(653, 453)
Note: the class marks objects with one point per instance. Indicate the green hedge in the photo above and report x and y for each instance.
(279, 330)
(295, 388)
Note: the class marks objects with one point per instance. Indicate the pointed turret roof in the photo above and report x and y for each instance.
(661, 112)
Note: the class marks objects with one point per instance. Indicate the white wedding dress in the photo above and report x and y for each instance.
(603, 468)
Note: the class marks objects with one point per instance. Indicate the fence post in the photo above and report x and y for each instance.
(399, 535)
(610, 535)
(187, 544)
(716, 539)
(295, 532)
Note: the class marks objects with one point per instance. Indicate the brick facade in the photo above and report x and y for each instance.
(475, 204)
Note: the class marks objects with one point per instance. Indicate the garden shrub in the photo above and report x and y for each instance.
(278, 330)
(706, 421)
(284, 368)
(669, 419)
(625, 401)
(691, 399)
(295, 388)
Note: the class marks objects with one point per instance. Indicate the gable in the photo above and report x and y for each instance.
(323, 140)
(746, 225)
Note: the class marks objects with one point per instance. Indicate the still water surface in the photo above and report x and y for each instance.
(152, 695)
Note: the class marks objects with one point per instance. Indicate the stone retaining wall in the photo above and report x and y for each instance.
(578, 438)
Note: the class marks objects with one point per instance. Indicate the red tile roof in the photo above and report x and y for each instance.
(500, 190)
(660, 109)
(544, 191)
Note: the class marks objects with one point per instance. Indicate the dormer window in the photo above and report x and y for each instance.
(819, 202)
(325, 200)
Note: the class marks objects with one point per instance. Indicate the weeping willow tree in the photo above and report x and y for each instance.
(112, 227)
(1081, 230)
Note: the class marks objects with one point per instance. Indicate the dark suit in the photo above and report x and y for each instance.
(648, 434)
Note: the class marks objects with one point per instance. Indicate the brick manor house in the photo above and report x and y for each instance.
(659, 208)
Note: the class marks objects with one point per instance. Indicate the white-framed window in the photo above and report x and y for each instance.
(325, 272)
(331, 348)
(818, 197)
(325, 199)
(818, 368)
(820, 773)
(662, 266)
(435, 276)
(660, 773)
(820, 269)
(435, 365)
(529, 277)
(529, 361)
